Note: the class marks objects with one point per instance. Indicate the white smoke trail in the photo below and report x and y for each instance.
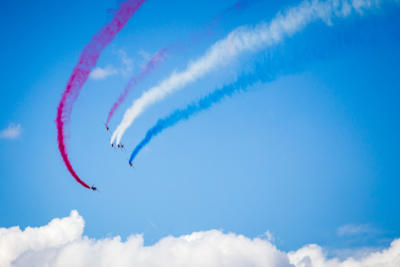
(241, 40)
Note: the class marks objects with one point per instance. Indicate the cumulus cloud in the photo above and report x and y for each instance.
(61, 243)
(13, 131)
(14, 242)
(313, 255)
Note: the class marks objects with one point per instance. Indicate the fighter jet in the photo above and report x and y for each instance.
(93, 188)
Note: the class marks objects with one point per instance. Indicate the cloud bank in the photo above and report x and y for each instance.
(240, 40)
(61, 243)
(13, 131)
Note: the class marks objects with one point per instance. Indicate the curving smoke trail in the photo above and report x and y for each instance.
(157, 59)
(240, 40)
(153, 63)
(80, 73)
(261, 74)
(292, 59)
(186, 113)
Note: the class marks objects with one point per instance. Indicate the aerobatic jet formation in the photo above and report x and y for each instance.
(240, 40)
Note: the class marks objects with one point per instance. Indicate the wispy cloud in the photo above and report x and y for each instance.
(61, 243)
(13, 131)
(146, 56)
(102, 73)
(355, 229)
(125, 68)
(127, 62)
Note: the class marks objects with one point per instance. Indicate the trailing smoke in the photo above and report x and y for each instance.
(266, 71)
(176, 47)
(240, 40)
(153, 63)
(290, 57)
(80, 74)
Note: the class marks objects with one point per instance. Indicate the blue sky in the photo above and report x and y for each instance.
(308, 154)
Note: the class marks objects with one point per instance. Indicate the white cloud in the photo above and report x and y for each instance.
(101, 73)
(14, 242)
(60, 243)
(127, 62)
(13, 131)
(312, 255)
(145, 55)
(355, 229)
(126, 67)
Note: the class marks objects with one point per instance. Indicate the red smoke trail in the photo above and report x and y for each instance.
(86, 63)
(150, 66)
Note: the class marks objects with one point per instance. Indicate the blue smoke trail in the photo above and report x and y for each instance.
(268, 69)
(290, 57)
(241, 84)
